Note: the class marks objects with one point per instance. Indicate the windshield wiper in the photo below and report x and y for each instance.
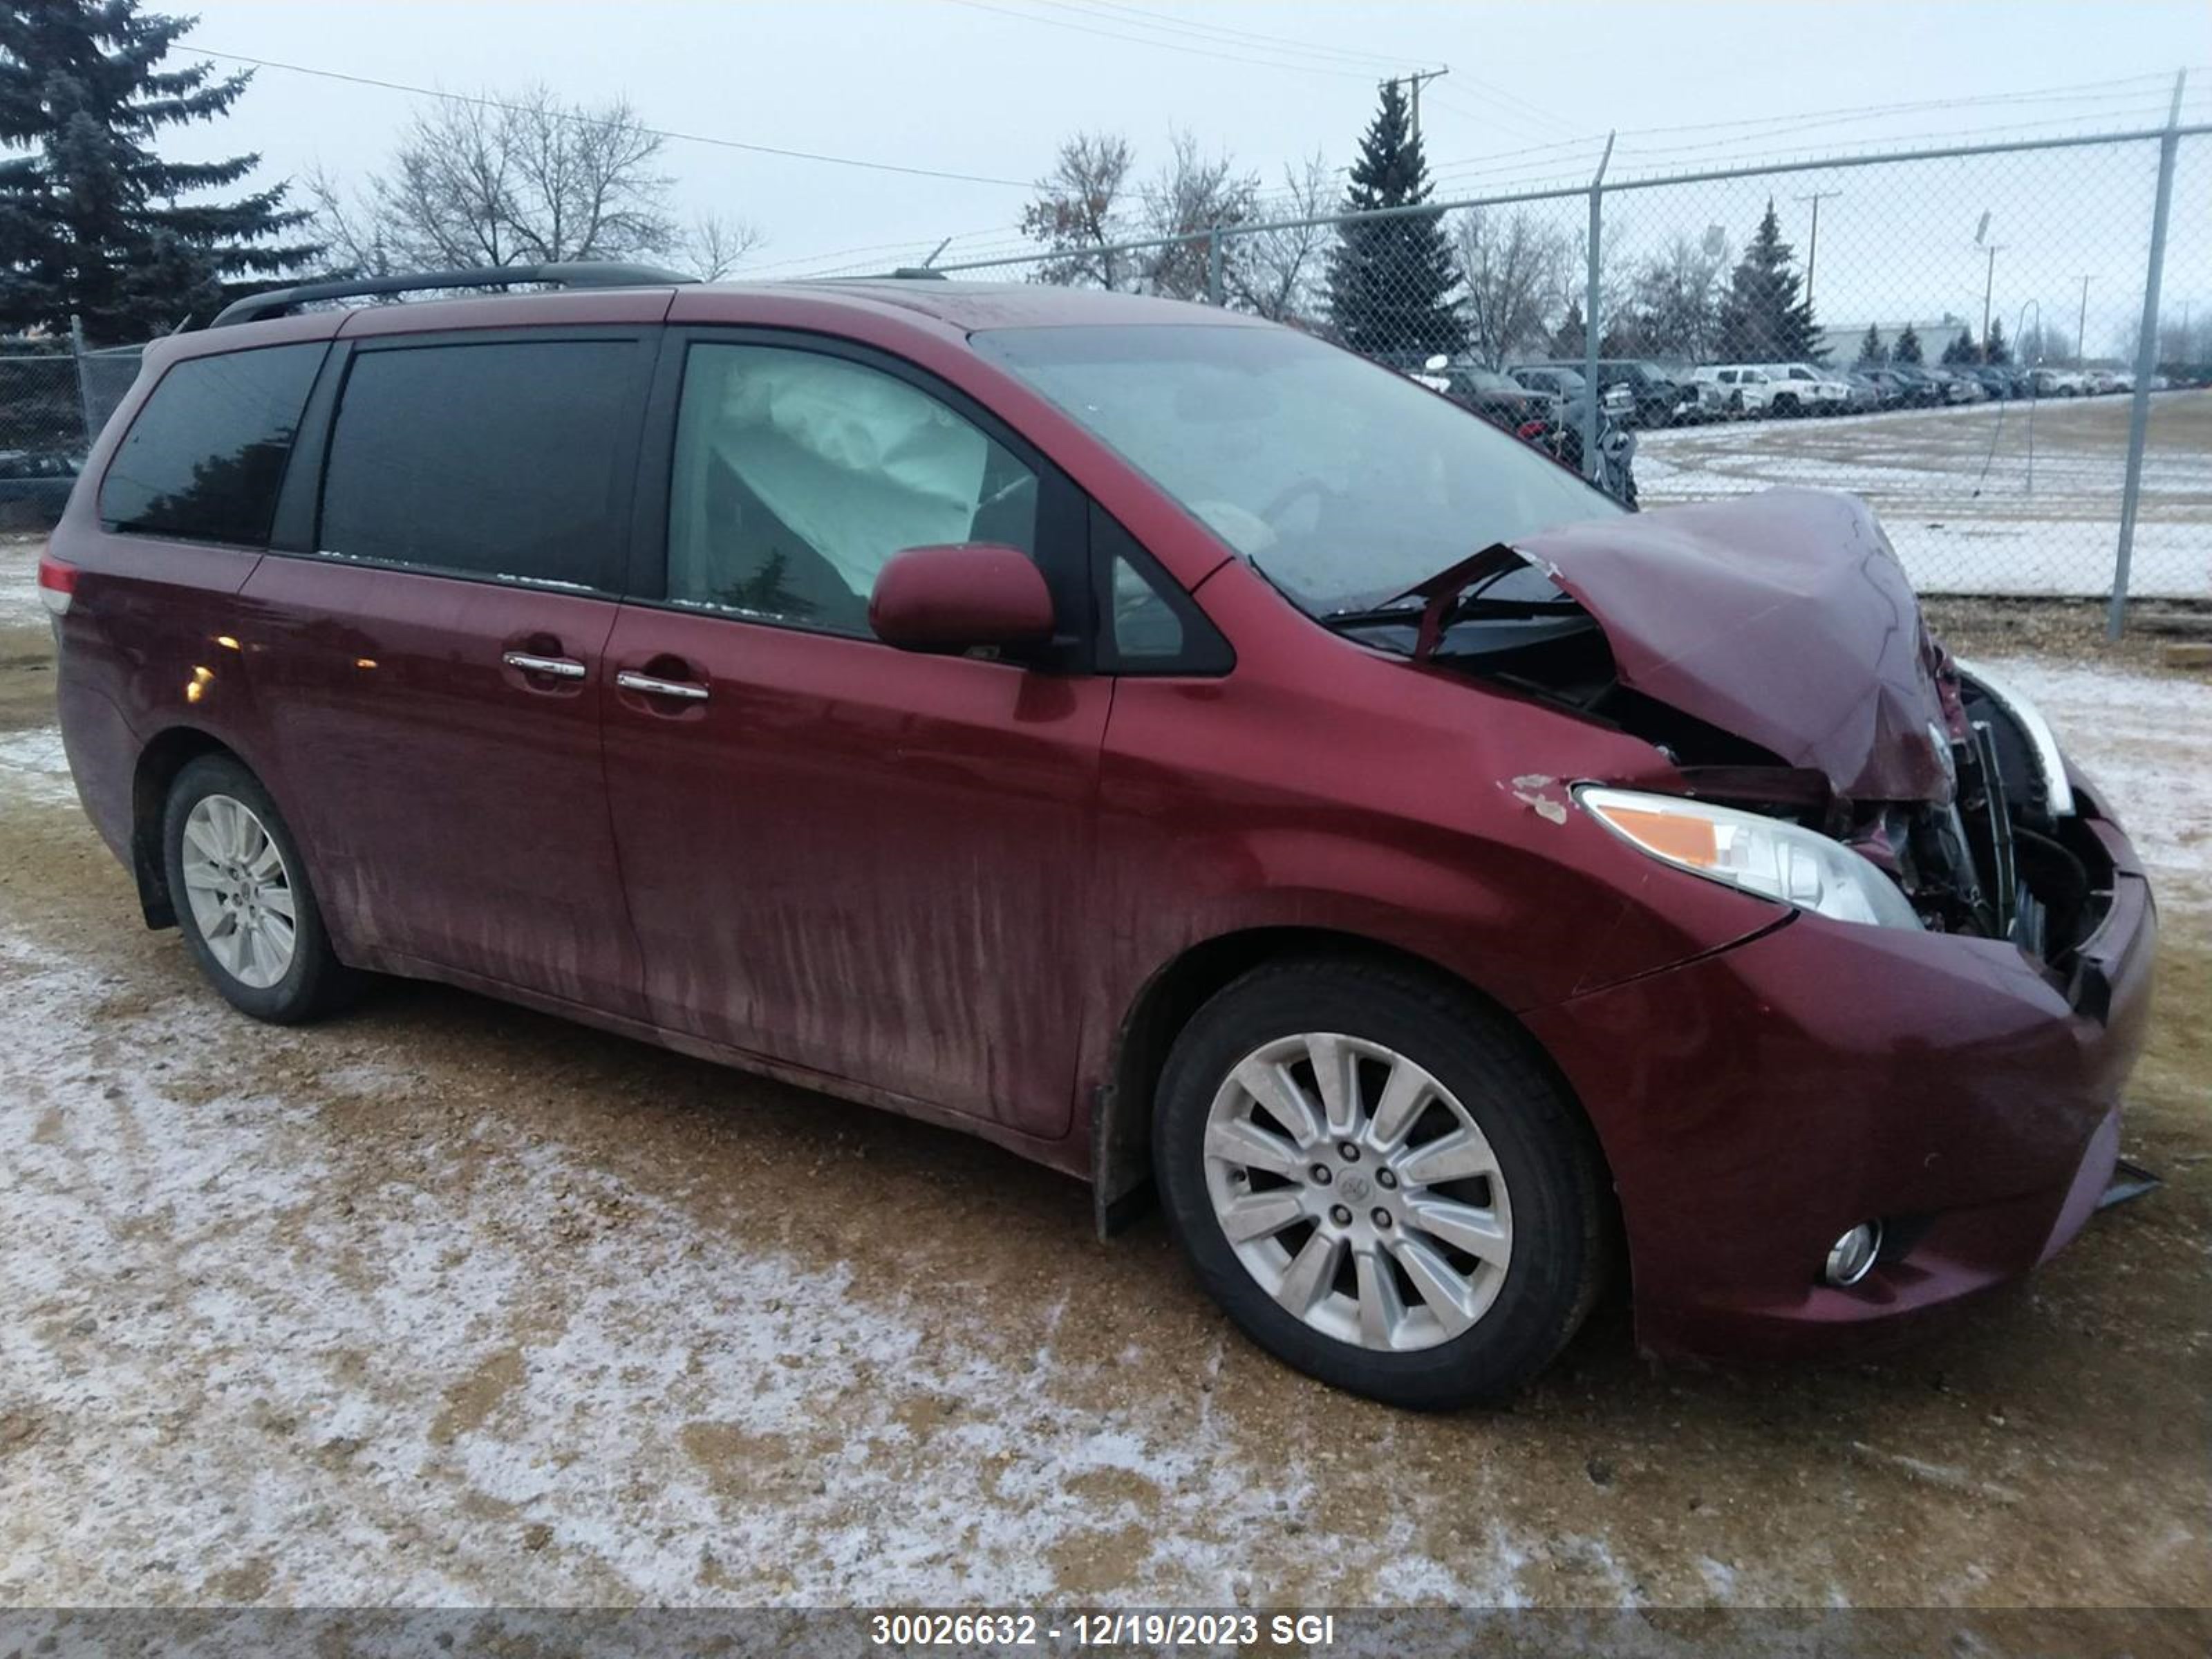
(1470, 607)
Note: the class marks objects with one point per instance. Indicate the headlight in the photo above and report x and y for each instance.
(1762, 856)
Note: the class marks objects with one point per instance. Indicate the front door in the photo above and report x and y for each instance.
(430, 671)
(863, 861)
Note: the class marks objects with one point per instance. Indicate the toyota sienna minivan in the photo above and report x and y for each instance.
(1151, 739)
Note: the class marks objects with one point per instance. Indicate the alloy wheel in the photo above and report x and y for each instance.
(240, 892)
(1358, 1191)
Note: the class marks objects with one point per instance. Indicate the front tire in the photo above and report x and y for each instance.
(1381, 1181)
(239, 890)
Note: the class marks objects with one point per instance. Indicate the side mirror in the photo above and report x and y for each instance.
(960, 596)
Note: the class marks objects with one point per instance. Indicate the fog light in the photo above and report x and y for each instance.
(1851, 1257)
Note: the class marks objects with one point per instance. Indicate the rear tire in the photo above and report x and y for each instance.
(1417, 1202)
(242, 899)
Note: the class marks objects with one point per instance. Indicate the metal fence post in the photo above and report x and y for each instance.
(2116, 618)
(83, 380)
(1213, 265)
(1591, 466)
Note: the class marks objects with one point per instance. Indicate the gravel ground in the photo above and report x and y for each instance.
(446, 1302)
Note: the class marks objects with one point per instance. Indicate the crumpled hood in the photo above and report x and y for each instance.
(1783, 617)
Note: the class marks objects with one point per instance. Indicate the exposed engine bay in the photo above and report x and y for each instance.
(1795, 680)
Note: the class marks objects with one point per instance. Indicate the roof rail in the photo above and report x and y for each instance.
(572, 273)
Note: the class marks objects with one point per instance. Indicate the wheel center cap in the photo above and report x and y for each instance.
(1354, 1188)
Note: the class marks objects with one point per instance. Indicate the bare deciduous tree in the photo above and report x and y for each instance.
(1081, 209)
(521, 179)
(1678, 296)
(1515, 271)
(1192, 193)
(1280, 274)
(715, 246)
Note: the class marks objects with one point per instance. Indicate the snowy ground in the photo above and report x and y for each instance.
(1986, 498)
(2146, 741)
(445, 1302)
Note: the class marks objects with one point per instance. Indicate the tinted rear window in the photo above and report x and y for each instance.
(204, 457)
(500, 460)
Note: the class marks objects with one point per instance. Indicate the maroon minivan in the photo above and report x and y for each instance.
(1154, 740)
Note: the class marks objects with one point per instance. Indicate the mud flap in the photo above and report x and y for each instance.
(2130, 1180)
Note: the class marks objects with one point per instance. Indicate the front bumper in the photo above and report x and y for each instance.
(1756, 1103)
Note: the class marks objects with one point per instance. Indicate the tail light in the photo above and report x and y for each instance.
(1531, 429)
(56, 584)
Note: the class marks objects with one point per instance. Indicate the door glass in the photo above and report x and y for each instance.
(797, 475)
(506, 459)
(203, 460)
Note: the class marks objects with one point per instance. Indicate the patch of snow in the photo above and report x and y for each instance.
(337, 1319)
(2145, 741)
(34, 768)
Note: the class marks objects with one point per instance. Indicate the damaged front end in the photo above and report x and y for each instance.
(1772, 650)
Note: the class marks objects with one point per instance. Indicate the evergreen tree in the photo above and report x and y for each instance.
(1995, 349)
(1962, 349)
(1391, 282)
(1872, 353)
(1762, 319)
(92, 224)
(1907, 349)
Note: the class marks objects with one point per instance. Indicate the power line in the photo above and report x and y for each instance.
(1221, 33)
(590, 120)
(1163, 46)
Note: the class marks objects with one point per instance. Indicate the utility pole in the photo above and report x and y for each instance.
(1415, 80)
(2082, 327)
(1812, 249)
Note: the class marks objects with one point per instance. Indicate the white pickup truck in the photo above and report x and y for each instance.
(1746, 390)
(1801, 389)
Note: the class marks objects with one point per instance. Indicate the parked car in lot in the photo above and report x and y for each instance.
(2057, 383)
(1658, 395)
(34, 484)
(1997, 382)
(1499, 399)
(1150, 738)
(1864, 396)
(1960, 384)
(1923, 390)
(1895, 390)
(1567, 385)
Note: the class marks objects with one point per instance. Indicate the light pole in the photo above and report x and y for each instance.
(2081, 327)
(1988, 283)
(1813, 247)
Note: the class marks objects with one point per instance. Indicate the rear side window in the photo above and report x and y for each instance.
(505, 459)
(204, 460)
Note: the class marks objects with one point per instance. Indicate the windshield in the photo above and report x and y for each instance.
(1343, 482)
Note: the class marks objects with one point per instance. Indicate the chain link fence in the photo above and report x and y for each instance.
(55, 396)
(1915, 328)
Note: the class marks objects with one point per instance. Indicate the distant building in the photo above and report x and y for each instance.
(1841, 344)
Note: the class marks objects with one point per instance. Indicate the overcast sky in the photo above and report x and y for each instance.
(988, 88)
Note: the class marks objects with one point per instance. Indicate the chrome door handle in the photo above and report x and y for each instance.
(561, 668)
(656, 688)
